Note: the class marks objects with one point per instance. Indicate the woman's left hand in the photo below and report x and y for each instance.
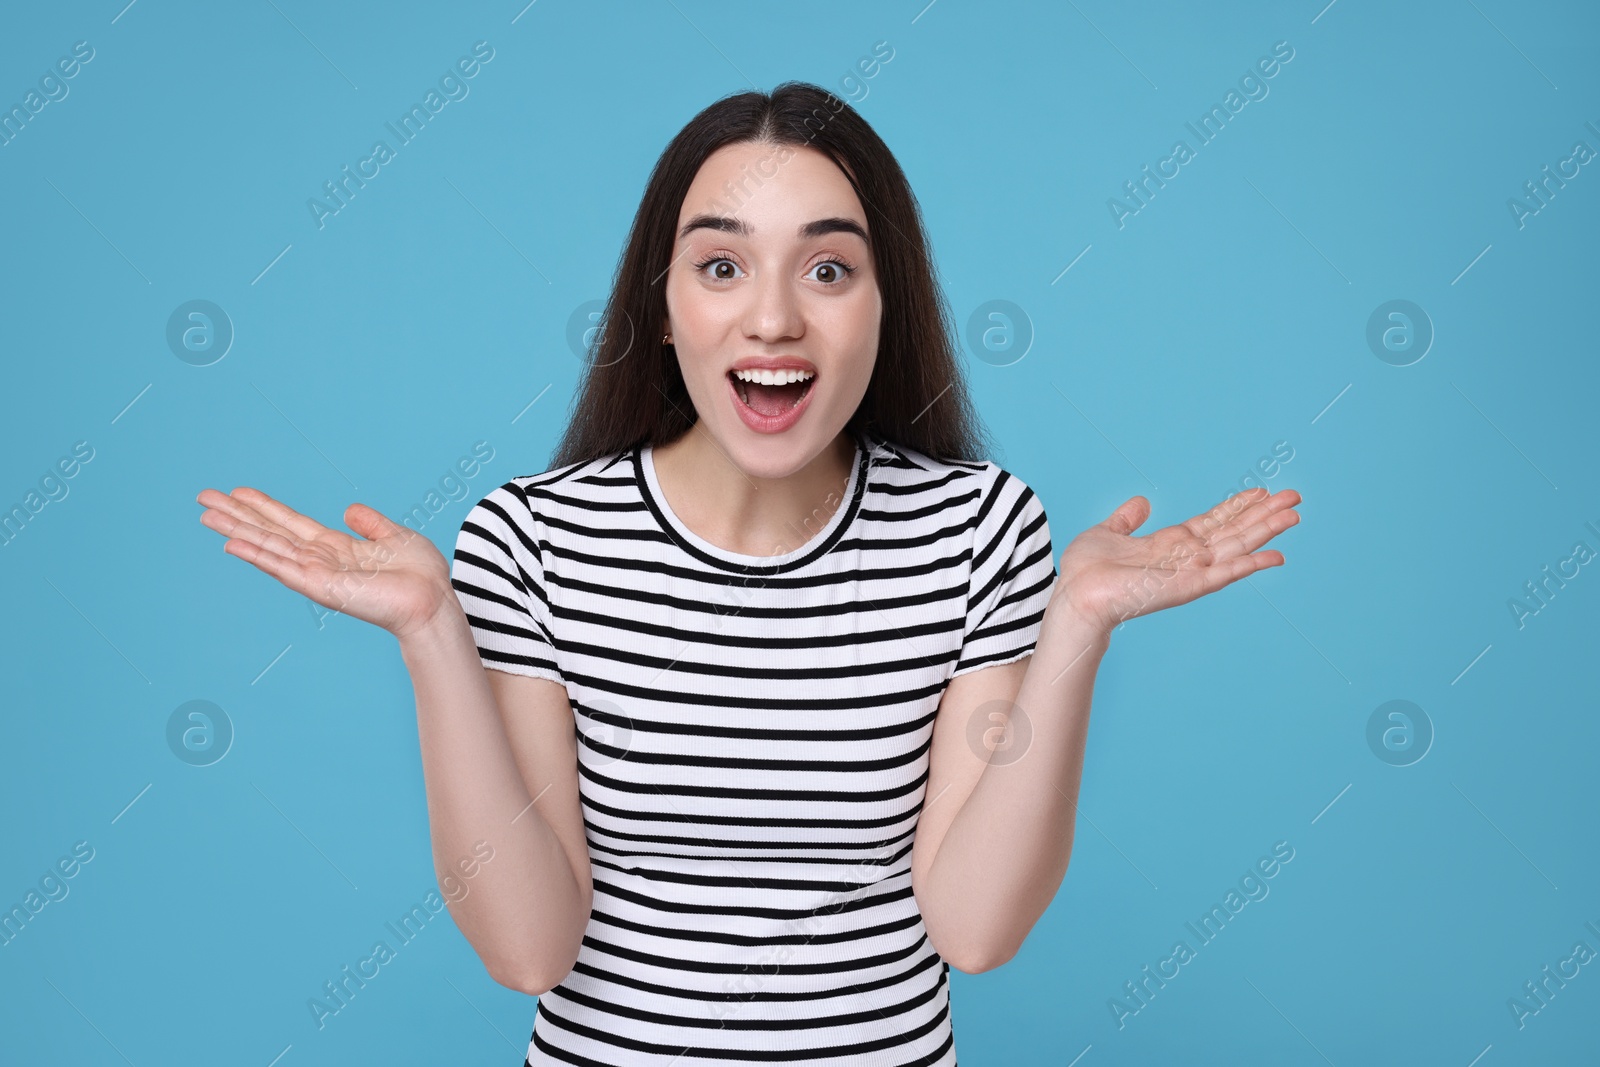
(1107, 575)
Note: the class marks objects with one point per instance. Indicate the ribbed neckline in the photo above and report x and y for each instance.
(855, 489)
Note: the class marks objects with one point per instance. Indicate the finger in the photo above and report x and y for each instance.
(242, 510)
(1240, 511)
(240, 530)
(301, 526)
(1264, 509)
(371, 523)
(1129, 516)
(1218, 516)
(1254, 536)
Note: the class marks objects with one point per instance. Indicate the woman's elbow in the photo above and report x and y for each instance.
(526, 972)
(975, 959)
(981, 964)
(534, 985)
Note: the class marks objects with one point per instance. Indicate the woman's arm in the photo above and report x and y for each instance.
(1000, 826)
(995, 835)
(499, 763)
(489, 748)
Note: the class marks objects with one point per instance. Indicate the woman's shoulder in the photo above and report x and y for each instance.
(978, 480)
(520, 498)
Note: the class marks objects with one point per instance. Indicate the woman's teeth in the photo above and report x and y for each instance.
(773, 377)
(771, 403)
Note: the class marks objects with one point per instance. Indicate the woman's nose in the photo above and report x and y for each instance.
(774, 313)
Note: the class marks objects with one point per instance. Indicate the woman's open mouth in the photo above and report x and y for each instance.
(771, 393)
(770, 401)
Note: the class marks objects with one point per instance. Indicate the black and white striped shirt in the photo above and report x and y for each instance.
(753, 745)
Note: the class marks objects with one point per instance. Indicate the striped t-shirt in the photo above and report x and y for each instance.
(753, 745)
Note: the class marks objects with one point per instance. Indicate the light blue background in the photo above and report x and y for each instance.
(1226, 316)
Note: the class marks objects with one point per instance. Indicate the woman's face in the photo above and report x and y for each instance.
(771, 264)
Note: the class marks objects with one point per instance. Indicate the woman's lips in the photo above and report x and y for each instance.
(773, 363)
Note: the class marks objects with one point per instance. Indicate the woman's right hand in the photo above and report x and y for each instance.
(390, 576)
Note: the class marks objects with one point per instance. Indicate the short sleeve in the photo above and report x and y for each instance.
(1012, 576)
(498, 576)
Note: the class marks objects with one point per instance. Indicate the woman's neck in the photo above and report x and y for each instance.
(751, 516)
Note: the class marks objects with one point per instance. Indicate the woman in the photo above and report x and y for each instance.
(738, 691)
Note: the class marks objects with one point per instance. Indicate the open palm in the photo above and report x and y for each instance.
(1108, 575)
(390, 576)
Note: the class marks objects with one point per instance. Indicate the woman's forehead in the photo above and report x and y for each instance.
(768, 192)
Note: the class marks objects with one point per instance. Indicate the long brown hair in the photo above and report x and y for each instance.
(632, 392)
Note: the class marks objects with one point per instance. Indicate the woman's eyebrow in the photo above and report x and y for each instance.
(741, 228)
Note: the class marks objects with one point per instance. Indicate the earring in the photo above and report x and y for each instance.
(666, 339)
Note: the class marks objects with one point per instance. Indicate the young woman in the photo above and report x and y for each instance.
(768, 695)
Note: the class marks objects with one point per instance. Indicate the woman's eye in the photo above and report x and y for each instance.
(716, 264)
(834, 271)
